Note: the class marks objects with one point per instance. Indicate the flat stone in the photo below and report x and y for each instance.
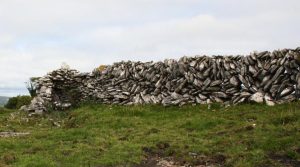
(269, 101)
(257, 97)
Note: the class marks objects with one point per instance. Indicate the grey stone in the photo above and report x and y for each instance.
(265, 76)
(257, 97)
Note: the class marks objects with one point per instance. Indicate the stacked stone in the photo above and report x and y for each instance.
(50, 89)
(259, 77)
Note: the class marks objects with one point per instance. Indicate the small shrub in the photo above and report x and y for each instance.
(17, 102)
(101, 68)
(31, 86)
(12, 103)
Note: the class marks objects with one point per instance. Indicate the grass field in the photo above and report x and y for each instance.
(103, 135)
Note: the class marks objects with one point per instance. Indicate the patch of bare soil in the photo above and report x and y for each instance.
(285, 160)
(172, 162)
(161, 156)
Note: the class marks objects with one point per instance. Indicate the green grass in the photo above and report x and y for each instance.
(104, 135)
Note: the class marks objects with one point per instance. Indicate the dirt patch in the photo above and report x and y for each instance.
(161, 149)
(159, 156)
(285, 160)
(203, 161)
(149, 162)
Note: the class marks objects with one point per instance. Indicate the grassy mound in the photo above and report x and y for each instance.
(103, 135)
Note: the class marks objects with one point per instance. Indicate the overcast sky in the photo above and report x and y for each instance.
(36, 36)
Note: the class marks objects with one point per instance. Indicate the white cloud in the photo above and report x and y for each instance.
(37, 36)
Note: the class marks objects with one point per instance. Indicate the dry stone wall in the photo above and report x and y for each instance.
(270, 77)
